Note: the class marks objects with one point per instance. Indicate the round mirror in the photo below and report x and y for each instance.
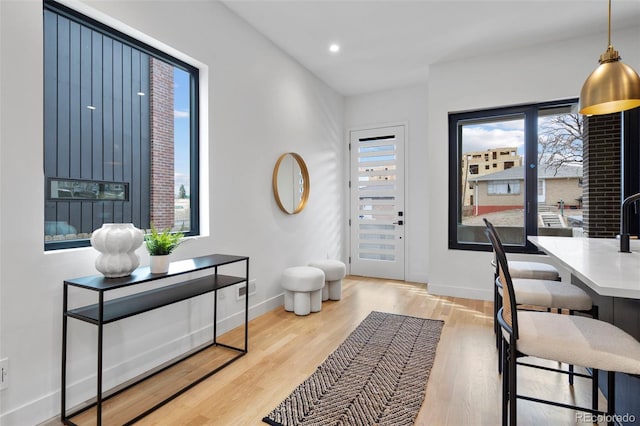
(291, 183)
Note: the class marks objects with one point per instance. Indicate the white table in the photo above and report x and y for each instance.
(597, 262)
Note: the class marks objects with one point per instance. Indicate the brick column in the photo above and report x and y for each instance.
(162, 145)
(602, 175)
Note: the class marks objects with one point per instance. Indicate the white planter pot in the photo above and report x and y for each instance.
(117, 243)
(159, 264)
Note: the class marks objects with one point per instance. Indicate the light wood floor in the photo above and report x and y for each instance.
(463, 389)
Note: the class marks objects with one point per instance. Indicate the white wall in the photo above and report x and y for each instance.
(405, 105)
(528, 75)
(260, 104)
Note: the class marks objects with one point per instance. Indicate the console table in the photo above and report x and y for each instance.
(107, 311)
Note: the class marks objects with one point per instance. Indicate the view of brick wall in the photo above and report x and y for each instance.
(602, 171)
(162, 145)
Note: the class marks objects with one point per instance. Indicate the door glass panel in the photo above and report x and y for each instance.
(560, 172)
(376, 186)
(377, 202)
(492, 179)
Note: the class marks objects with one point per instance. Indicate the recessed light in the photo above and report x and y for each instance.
(334, 48)
(91, 107)
(140, 93)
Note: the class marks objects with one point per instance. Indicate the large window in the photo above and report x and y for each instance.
(121, 132)
(521, 168)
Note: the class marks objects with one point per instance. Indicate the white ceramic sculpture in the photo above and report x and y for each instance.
(117, 243)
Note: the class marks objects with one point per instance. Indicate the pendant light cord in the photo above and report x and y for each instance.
(609, 23)
(610, 55)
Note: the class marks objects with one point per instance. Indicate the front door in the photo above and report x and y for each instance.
(377, 202)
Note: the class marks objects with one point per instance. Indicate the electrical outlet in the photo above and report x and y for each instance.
(242, 290)
(4, 373)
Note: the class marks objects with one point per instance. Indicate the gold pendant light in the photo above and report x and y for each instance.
(612, 87)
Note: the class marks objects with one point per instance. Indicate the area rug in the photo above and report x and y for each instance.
(377, 376)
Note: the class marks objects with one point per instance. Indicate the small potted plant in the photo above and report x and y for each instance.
(160, 245)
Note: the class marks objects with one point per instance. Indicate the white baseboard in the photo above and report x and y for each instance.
(462, 292)
(47, 407)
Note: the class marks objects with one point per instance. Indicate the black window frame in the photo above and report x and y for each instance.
(530, 114)
(631, 163)
(194, 112)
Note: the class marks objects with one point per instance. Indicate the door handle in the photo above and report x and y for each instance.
(400, 222)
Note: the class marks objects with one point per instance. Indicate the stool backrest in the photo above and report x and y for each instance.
(508, 313)
(494, 262)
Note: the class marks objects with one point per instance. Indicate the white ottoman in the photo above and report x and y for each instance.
(334, 272)
(303, 289)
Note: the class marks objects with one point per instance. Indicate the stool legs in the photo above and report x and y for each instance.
(332, 290)
(335, 289)
(288, 301)
(316, 300)
(325, 291)
(301, 303)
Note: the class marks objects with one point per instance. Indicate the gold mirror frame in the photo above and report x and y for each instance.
(305, 184)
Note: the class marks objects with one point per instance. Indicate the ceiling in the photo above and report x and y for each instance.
(391, 43)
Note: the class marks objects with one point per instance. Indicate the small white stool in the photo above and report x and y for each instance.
(334, 272)
(302, 289)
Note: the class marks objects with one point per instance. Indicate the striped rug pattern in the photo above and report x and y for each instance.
(377, 376)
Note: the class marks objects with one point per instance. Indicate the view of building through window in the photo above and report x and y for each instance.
(492, 175)
(182, 154)
(120, 132)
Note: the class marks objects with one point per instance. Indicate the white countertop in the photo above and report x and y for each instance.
(597, 262)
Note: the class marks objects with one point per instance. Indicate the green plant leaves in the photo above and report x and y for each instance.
(162, 243)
